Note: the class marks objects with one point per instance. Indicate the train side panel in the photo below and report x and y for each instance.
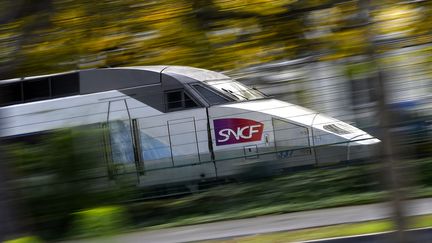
(246, 138)
(242, 140)
(174, 147)
(68, 112)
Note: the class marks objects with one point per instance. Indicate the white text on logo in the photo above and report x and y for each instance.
(240, 133)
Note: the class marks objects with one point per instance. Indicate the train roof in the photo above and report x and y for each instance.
(129, 75)
(80, 82)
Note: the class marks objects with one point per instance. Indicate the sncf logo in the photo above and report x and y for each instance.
(237, 130)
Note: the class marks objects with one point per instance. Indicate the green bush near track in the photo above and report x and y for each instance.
(306, 190)
(100, 221)
(25, 239)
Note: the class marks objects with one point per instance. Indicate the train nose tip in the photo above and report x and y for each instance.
(373, 141)
(365, 139)
(363, 147)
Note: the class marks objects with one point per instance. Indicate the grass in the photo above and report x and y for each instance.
(300, 191)
(237, 211)
(329, 231)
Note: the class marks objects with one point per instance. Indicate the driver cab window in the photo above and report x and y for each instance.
(179, 99)
(210, 96)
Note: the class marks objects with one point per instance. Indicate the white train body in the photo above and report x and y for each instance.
(180, 124)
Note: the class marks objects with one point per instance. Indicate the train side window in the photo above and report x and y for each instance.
(28, 139)
(177, 100)
(188, 102)
(64, 85)
(211, 97)
(10, 94)
(121, 142)
(38, 89)
(174, 100)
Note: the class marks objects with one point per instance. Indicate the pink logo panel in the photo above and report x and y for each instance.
(237, 130)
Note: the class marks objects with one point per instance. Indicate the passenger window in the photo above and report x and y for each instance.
(211, 97)
(36, 89)
(121, 142)
(178, 100)
(10, 94)
(64, 85)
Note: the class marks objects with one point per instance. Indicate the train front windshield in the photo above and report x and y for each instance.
(235, 89)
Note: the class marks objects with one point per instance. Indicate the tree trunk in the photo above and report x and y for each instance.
(388, 154)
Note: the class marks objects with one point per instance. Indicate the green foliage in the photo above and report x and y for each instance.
(423, 172)
(62, 173)
(307, 190)
(54, 36)
(26, 239)
(359, 70)
(318, 188)
(101, 221)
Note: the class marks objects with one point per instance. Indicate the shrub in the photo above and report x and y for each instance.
(99, 221)
(63, 172)
(25, 239)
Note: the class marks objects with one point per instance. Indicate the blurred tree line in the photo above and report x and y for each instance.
(47, 36)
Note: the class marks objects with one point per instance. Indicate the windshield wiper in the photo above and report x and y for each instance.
(234, 94)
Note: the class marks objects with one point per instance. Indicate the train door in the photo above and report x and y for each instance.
(174, 147)
(120, 142)
(292, 143)
(183, 140)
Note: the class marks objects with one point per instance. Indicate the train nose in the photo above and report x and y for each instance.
(362, 147)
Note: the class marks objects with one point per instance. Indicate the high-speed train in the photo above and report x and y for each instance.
(174, 124)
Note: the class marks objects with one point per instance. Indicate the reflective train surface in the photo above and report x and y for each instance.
(172, 124)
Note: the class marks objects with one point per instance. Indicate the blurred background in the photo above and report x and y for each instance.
(367, 63)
